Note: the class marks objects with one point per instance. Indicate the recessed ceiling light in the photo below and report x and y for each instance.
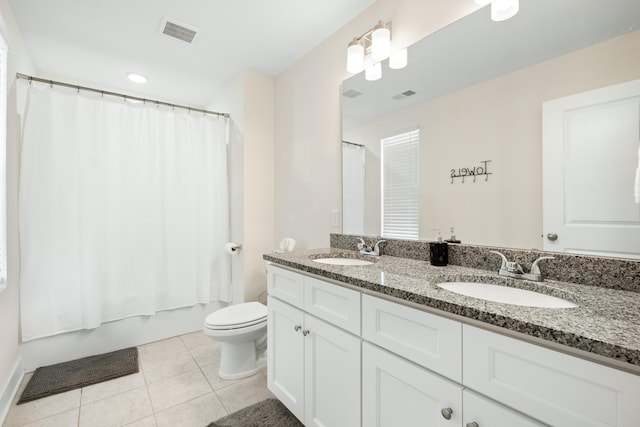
(138, 78)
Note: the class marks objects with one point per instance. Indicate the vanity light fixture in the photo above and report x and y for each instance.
(355, 56)
(501, 10)
(370, 49)
(380, 42)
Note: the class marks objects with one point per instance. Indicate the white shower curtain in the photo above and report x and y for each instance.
(353, 188)
(123, 210)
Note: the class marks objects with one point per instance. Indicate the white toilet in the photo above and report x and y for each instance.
(242, 331)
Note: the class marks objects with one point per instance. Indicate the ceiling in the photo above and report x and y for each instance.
(97, 42)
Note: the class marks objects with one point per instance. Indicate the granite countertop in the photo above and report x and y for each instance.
(605, 323)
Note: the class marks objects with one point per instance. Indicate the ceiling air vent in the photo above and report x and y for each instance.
(351, 93)
(404, 94)
(178, 31)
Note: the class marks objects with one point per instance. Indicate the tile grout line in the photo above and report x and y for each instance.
(146, 387)
(213, 389)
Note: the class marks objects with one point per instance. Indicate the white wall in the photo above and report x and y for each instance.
(258, 180)
(230, 100)
(18, 60)
(308, 125)
(249, 98)
(498, 120)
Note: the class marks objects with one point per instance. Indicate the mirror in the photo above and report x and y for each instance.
(479, 87)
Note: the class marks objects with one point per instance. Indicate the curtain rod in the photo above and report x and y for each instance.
(121, 95)
(353, 143)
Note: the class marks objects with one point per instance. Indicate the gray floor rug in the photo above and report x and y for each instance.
(268, 413)
(78, 373)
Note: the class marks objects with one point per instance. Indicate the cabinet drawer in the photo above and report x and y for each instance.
(332, 303)
(428, 340)
(485, 412)
(286, 285)
(553, 387)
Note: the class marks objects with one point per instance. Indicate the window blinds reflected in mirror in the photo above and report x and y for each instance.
(400, 207)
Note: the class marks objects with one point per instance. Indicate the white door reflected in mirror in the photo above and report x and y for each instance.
(590, 146)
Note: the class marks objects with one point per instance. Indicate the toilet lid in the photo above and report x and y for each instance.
(238, 315)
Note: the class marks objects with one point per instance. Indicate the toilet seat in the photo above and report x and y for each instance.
(237, 316)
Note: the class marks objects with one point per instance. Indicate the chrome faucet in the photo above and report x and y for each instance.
(368, 250)
(515, 270)
(362, 246)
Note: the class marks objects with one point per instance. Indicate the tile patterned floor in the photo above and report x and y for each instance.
(177, 385)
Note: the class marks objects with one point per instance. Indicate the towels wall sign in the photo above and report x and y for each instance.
(474, 172)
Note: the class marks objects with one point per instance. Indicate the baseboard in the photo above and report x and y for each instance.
(11, 389)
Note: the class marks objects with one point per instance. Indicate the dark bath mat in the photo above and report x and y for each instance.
(268, 413)
(78, 373)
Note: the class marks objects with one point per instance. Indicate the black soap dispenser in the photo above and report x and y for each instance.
(438, 251)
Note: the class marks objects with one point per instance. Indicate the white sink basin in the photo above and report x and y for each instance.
(342, 261)
(506, 295)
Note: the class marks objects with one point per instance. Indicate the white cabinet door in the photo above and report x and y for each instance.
(396, 392)
(285, 355)
(332, 375)
(552, 387)
(590, 156)
(487, 413)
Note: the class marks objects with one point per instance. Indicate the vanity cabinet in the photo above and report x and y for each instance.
(334, 351)
(397, 392)
(313, 364)
(414, 372)
(554, 387)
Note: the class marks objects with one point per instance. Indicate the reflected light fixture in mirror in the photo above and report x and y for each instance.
(373, 72)
(501, 10)
(398, 60)
(504, 9)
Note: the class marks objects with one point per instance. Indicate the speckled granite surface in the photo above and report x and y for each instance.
(613, 273)
(606, 321)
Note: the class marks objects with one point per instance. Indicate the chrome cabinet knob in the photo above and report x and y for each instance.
(305, 332)
(552, 236)
(297, 328)
(446, 413)
(472, 424)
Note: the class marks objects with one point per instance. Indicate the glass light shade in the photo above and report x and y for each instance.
(373, 72)
(504, 9)
(380, 42)
(355, 57)
(398, 60)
